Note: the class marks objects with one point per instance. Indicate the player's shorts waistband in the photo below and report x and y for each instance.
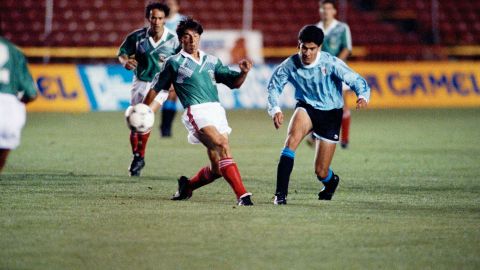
(202, 105)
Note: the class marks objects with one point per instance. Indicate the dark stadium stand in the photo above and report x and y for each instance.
(385, 30)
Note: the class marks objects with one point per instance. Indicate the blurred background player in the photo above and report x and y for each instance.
(195, 75)
(337, 42)
(317, 78)
(169, 108)
(144, 52)
(16, 89)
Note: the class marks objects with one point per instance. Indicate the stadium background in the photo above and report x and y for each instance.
(414, 53)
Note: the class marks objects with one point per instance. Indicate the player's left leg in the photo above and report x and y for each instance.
(3, 157)
(323, 159)
(169, 109)
(346, 117)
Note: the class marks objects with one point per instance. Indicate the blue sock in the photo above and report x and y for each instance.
(284, 169)
(326, 179)
(169, 105)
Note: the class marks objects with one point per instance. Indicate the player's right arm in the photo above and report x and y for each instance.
(25, 80)
(160, 87)
(275, 87)
(126, 50)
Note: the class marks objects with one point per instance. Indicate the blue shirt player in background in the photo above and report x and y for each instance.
(317, 77)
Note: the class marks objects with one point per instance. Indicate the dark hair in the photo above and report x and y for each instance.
(188, 23)
(311, 33)
(159, 6)
(323, 2)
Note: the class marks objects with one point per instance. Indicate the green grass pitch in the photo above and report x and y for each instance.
(409, 197)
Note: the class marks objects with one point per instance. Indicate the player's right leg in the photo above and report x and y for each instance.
(3, 157)
(169, 109)
(300, 125)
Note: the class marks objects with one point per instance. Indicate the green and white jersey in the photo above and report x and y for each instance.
(149, 54)
(195, 82)
(15, 78)
(337, 37)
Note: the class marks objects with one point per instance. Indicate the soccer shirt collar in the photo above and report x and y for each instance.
(162, 38)
(330, 27)
(202, 54)
(317, 59)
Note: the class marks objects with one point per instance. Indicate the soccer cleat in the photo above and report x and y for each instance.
(245, 200)
(344, 145)
(183, 192)
(280, 199)
(327, 192)
(137, 165)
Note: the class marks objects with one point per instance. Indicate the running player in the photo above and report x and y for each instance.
(144, 51)
(194, 75)
(317, 78)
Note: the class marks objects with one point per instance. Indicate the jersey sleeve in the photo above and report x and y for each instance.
(347, 38)
(275, 87)
(164, 78)
(356, 82)
(225, 75)
(128, 46)
(25, 80)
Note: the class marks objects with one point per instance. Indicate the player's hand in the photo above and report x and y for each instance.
(245, 65)
(278, 119)
(361, 103)
(131, 64)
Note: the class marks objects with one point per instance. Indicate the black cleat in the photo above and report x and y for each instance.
(183, 192)
(280, 199)
(327, 192)
(344, 145)
(137, 165)
(245, 200)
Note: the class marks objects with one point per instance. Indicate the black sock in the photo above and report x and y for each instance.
(284, 169)
(167, 120)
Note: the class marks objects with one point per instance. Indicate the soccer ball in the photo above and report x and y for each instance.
(140, 118)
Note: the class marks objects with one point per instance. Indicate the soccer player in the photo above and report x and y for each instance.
(194, 75)
(337, 42)
(169, 107)
(144, 51)
(317, 77)
(16, 89)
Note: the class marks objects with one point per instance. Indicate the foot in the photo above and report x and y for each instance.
(280, 199)
(245, 200)
(327, 192)
(183, 192)
(165, 132)
(344, 145)
(137, 165)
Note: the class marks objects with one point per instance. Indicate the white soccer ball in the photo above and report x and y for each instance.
(140, 118)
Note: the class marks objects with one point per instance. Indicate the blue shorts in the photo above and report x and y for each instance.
(326, 124)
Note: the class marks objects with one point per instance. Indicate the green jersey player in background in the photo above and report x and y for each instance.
(194, 75)
(337, 42)
(169, 107)
(144, 52)
(16, 89)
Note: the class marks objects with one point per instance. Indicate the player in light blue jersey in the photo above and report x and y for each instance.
(317, 78)
(169, 108)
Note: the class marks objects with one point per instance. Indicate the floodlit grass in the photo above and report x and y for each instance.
(409, 198)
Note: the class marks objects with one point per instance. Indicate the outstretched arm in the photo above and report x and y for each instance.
(245, 66)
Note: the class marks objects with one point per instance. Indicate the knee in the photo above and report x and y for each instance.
(222, 144)
(321, 172)
(293, 141)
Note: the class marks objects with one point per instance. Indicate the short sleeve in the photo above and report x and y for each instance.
(225, 75)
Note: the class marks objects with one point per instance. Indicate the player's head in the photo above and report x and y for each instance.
(173, 5)
(328, 10)
(156, 14)
(189, 32)
(310, 40)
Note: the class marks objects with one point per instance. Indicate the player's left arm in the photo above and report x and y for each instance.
(346, 43)
(160, 88)
(232, 79)
(356, 82)
(27, 85)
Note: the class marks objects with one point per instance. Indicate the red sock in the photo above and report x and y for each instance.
(142, 143)
(345, 126)
(230, 172)
(134, 141)
(204, 177)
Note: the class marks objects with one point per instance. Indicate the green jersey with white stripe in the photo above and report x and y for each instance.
(337, 37)
(195, 82)
(150, 55)
(15, 78)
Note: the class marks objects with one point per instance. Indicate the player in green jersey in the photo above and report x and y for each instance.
(144, 51)
(194, 75)
(16, 89)
(337, 42)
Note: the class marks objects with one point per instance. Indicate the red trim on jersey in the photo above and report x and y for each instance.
(191, 120)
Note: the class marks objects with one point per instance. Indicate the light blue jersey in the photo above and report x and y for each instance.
(318, 84)
(171, 23)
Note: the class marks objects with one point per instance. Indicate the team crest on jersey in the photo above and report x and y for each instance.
(162, 58)
(211, 73)
(324, 71)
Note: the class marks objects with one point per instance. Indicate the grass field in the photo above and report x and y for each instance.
(409, 198)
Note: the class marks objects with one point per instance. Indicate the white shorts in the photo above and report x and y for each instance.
(12, 120)
(140, 90)
(199, 116)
